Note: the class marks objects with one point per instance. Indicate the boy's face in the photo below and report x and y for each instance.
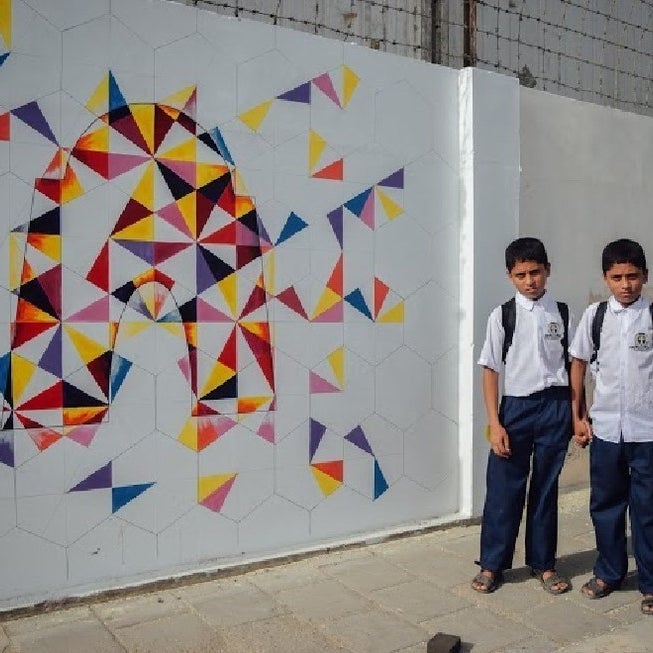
(625, 281)
(529, 278)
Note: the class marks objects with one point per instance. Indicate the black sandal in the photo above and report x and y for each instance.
(488, 583)
(554, 579)
(646, 605)
(592, 589)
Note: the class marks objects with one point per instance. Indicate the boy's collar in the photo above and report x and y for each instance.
(529, 304)
(616, 307)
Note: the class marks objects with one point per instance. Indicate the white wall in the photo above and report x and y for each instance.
(191, 199)
(585, 181)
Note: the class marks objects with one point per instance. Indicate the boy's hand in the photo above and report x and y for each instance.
(582, 432)
(499, 440)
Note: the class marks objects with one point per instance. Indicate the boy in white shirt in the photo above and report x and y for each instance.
(616, 339)
(526, 339)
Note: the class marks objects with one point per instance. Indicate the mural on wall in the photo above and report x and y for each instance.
(192, 369)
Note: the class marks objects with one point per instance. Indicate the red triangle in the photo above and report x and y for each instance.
(200, 409)
(132, 213)
(162, 124)
(336, 282)
(100, 371)
(50, 398)
(203, 208)
(380, 293)
(5, 129)
(99, 272)
(224, 236)
(229, 354)
(129, 129)
(265, 363)
(25, 331)
(50, 188)
(291, 300)
(258, 345)
(163, 251)
(98, 161)
(50, 281)
(227, 200)
(332, 468)
(256, 300)
(334, 171)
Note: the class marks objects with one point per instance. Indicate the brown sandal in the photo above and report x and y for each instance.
(488, 583)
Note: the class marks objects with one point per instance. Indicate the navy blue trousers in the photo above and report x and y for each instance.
(539, 428)
(621, 476)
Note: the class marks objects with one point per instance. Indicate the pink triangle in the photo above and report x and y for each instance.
(215, 501)
(367, 214)
(266, 430)
(83, 434)
(334, 314)
(121, 163)
(185, 169)
(318, 385)
(98, 311)
(172, 215)
(184, 366)
(245, 236)
(324, 83)
(206, 313)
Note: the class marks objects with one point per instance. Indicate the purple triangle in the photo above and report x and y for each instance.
(300, 94)
(395, 180)
(335, 218)
(358, 438)
(262, 232)
(51, 359)
(99, 479)
(204, 276)
(141, 248)
(7, 449)
(32, 115)
(317, 433)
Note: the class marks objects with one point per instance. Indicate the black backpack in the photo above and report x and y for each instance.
(509, 316)
(597, 324)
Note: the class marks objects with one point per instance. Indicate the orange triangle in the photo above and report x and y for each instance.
(336, 282)
(332, 468)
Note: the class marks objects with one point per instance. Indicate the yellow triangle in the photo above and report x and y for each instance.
(254, 117)
(48, 244)
(244, 204)
(97, 141)
(188, 209)
(251, 404)
(239, 185)
(186, 151)
(349, 83)
(98, 103)
(208, 172)
(144, 191)
(219, 375)
(391, 208)
(142, 230)
(144, 118)
(395, 314)
(16, 258)
(270, 272)
(71, 189)
(22, 371)
(327, 483)
(229, 289)
(329, 299)
(174, 328)
(131, 329)
(5, 22)
(188, 434)
(337, 361)
(179, 99)
(207, 485)
(316, 145)
(87, 348)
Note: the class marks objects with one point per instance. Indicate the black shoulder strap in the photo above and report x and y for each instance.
(508, 317)
(650, 310)
(597, 324)
(564, 314)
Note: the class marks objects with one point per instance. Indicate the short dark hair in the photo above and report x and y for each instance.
(525, 249)
(623, 251)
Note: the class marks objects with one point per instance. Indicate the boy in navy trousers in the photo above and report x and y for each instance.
(526, 339)
(616, 339)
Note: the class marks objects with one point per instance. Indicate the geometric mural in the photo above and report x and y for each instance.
(219, 274)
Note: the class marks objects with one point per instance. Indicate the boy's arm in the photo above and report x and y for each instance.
(498, 436)
(582, 427)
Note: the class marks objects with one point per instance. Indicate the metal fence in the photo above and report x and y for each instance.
(595, 50)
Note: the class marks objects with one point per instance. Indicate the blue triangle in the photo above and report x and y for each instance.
(356, 204)
(116, 98)
(119, 368)
(222, 146)
(356, 299)
(3, 57)
(7, 449)
(4, 374)
(121, 496)
(380, 484)
(294, 224)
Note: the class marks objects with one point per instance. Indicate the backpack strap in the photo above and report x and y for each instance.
(563, 309)
(508, 318)
(597, 324)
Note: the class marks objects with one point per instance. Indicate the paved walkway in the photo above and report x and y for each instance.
(391, 596)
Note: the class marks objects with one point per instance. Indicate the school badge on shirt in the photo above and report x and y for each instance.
(643, 342)
(553, 331)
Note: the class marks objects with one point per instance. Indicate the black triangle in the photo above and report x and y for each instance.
(214, 189)
(34, 294)
(125, 292)
(250, 220)
(188, 311)
(228, 390)
(48, 223)
(73, 397)
(219, 269)
(178, 187)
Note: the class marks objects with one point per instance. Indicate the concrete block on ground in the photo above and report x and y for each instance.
(443, 643)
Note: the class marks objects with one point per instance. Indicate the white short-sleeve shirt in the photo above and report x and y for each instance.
(623, 370)
(535, 360)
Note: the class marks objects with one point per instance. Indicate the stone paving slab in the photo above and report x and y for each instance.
(292, 575)
(366, 575)
(131, 610)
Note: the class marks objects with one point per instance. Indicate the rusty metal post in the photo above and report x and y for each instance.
(469, 37)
